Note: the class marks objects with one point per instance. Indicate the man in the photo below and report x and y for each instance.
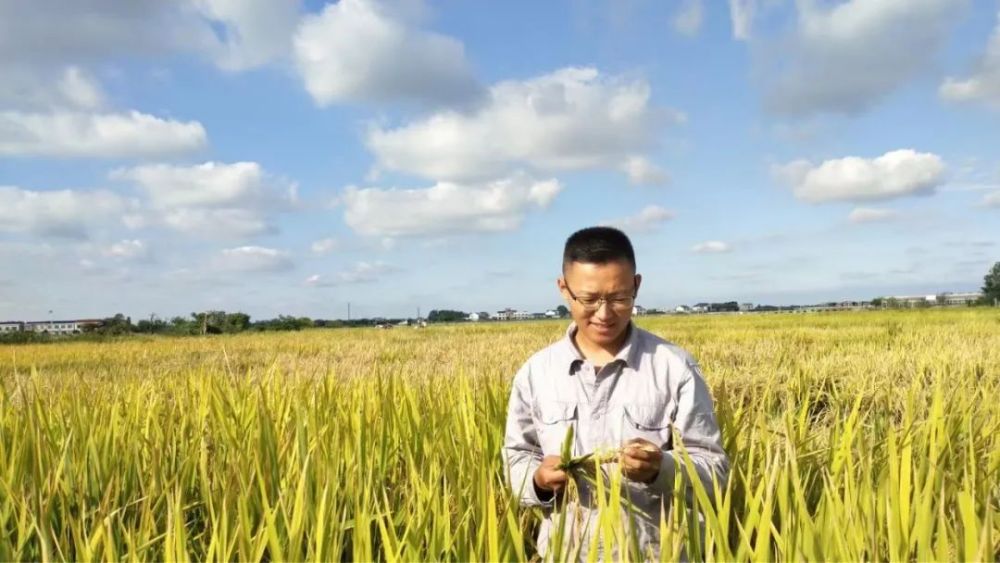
(619, 387)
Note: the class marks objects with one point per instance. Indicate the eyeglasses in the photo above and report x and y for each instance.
(591, 303)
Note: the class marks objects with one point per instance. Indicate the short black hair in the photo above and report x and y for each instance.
(598, 245)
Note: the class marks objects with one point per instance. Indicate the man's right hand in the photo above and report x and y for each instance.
(548, 476)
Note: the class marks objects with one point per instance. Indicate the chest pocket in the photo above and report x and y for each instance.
(554, 419)
(650, 422)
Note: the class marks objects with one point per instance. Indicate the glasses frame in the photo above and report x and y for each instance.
(603, 299)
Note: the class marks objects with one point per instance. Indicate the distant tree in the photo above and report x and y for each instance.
(484, 316)
(237, 322)
(878, 302)
(446, 316)
(563, 311)
(991, 285)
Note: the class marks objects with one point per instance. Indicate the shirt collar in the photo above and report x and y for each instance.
(629, 354)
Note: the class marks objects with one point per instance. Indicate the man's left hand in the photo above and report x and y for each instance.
(640, 460)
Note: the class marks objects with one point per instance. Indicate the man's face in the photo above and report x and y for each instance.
(604, 321)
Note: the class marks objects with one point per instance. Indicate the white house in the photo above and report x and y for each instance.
(962, 298)
(11, 326)
(474, 317)
(60, 327)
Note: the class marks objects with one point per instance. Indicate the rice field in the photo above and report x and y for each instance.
(852, 436)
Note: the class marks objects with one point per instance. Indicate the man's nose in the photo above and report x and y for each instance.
(604, 311)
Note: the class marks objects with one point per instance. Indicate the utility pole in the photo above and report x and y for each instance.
(348, 311)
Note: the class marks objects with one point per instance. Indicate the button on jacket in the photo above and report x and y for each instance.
(651, 387)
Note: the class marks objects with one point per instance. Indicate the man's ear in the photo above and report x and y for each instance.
(638, 282)
(561, 284)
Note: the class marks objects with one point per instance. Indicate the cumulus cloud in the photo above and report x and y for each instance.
(688, 18)
(983, 85)
(255, 32)
(28, 88)
(234, 34)
(127, 250)
(213, 198)
(846, 57)
(648, 219)
(894, 174)
(324, 246)
(361, 272)
(741, 14)
(871, 215)
(103, 135)
(362, 50)
(571, 119)
(446, 207)
(642, 172)
(253, 259)
(711, 247)
(56, 213)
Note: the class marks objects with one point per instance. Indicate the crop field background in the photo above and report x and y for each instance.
(852, 436)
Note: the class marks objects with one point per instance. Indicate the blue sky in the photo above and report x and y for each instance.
(280, 157)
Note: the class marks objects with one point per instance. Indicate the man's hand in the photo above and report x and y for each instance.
(640, 460)
(548, 477)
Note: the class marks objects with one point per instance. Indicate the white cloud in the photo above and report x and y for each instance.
(642, 172)
(846, 57)
(741, 13)
(213, 199)
(325, 246)
(102, 135)
(127, 250)
(711, 247)
(894, 174)
(362, 50)
(211, 184)
(253, 259)
(871, 215)
(218, 223)
(256, 32)
(991, 199)
(27, 88)
(649, 218)
(361, 272)
(80, 89)
(688, 18)
(235, 34)
(446, 207)
(571, 119)
(57, 213)
(984, 84)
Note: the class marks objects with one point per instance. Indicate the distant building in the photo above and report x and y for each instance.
(682, 309)
(551, 314)
(745, 307)
(60, 327)
(638, 310)
(916, 300)
(11, 326)
(474, 317)
(967, 298)
(505, 315)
